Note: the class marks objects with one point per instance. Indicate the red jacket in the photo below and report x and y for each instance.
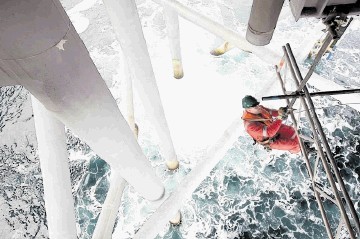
(262, 127)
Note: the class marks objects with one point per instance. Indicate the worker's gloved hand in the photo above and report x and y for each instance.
(283, 113)
(283, 110)
(282, 117)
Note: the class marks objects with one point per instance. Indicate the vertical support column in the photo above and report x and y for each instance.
(59, 203)
(41, 48)
(127, 26)
(173, 32)
(263, 19)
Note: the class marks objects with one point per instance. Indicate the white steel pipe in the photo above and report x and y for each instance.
(221, 49)
(174, 202)
(106, 221)
(262, 22)
(173, 32)
(40, 47)
(59, 203)
(129, 98)
(227, 20)
(105, 224)
(127, 26)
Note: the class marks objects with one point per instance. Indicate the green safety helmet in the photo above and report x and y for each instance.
(249, 101)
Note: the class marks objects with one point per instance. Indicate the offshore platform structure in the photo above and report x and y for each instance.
(334, 15)
(41, 50)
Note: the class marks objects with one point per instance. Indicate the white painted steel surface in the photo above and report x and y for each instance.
(59, 203)
(41, 50)
(127, 26)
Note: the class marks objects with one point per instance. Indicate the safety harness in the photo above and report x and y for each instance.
(265, 118)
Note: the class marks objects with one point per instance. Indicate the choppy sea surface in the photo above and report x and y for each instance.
(249, 194)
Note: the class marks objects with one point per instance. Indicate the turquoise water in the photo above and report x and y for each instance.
(249, 194)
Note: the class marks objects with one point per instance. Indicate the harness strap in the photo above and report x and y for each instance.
(264, 132)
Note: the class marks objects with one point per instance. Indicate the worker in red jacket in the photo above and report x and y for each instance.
(266, 128)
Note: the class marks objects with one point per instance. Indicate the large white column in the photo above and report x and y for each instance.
(59, 203)
(127, 26)
(41, 50)
(5, 79)
(173, 32)
(174, 202)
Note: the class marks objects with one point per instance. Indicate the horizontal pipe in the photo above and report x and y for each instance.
(301, 94)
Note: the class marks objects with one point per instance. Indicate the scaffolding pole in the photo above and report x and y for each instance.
(329, 40)
(316, 127)
(302, 94)
(307, 163)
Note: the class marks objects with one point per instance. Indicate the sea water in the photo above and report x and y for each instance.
(250, 193)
